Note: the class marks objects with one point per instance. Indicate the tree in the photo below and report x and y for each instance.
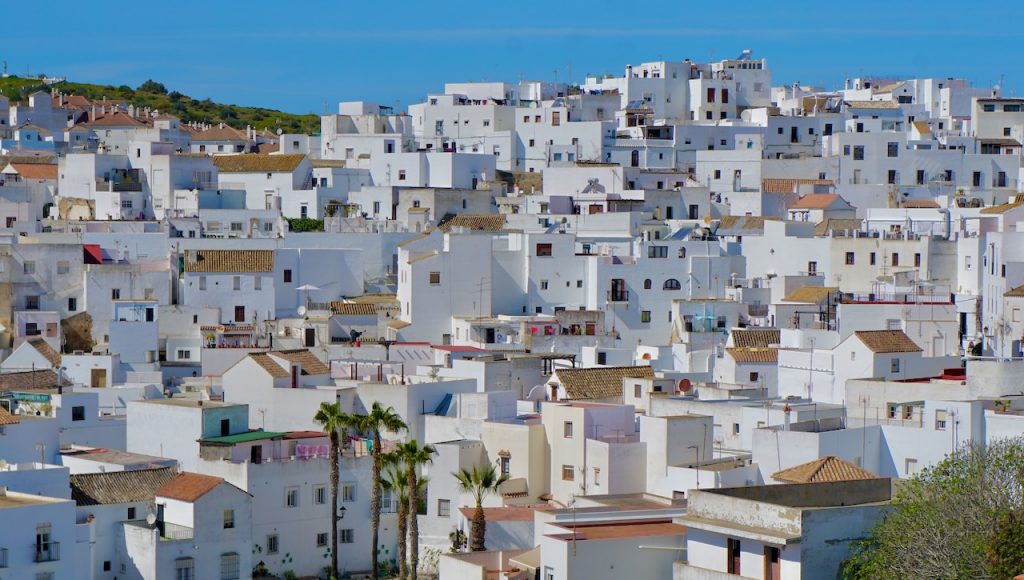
(961, 518)
(333, 421)
(479, 482)
(395, 481)
(151, 86)
(377, 420)
(414, 457)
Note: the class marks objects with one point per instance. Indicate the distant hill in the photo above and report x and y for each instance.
(155, 96)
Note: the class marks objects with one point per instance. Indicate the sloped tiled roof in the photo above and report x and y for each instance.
(257, 163)
(43, 379)
(479, 222)
(825, 469)
(36, 170)
(887, 341)
(781, 185)
(44, 348)
(270, 365)
(815, 201)
(117, 119)
(1017, 292)
(116, 487)
(188, 486)
(307, 360)
(599, 383)
(755, 338)
(341, 308)
(810, 294)
(6, 418)
(920, 204)
(738, 225)
(922, 127)
(1000, 209)
(872, 104)
(220, 133)
(827, 225)
(754, 355)
(229, 261)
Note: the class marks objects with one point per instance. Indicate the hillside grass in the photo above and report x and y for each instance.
(155, 96)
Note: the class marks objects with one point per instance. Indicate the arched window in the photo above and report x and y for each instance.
(682, 252)
(647, 284)
(671, 284)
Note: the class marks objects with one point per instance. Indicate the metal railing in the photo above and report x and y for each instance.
(46, 552)
(618, 296)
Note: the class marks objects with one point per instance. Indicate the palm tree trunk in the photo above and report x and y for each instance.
(335, 476)
(414, 526)
(375, 503)
(479, 528)
(403, 525)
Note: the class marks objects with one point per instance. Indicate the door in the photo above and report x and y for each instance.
(489, 336)
(812, 268)
(150, 315)
(256, 454)
(310, 337)
(634, 158)
(733, 556)
(771, 563)
(98, 378)
(225, 427)
(239, 313)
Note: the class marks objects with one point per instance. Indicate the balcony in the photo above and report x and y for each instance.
(118, 186)
(47, 552)
(757, 310)
(618, 296)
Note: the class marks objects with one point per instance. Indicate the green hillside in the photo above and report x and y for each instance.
(155, 96)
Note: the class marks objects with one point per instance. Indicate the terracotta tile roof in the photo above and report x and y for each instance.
(815, 201)
(780, 185)
(827, 225)
(27, 380)
(256, 163)
(479, 222)
(754, 355)
(229, 261)
(1002, 208)
(188, 486)
(810, 294)
(341, 308)
(44, 348)
(738, 225)
(36, 170)
(306, 359)
(921, 204)
(1017, 292)
(922, 127)
(825, 469)
(6, 418)
(599, 383)
(117, 119)
(270, 365)
(220, 133)
(72, 101)
(872, 104)
(756, 338)
(887, 341)
(116, 487)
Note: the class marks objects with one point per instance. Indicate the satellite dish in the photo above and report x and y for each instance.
(301, 310)
(151, 518)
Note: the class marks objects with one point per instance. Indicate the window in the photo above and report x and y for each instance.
(543, 284)
(908, 412)
(106, 566)
(115, 293)
(29, 267)
(976, 179)
(892, 176)
(637, 391)
(849, 258)
(444, 508)
(733, 554)
(1006, 131)
(543, 250)
(257, 283)
(858, 153)
(917, 260)
(131, 513)
(236, 226)
(505, 463)
(671, 284)
(346, 536)
(229, 567)
(909, 466)
(184, 354)
(287, 276)
(645, 316)
(894, 365)
(126, 204)
(321, 539)
(401, 175)
(72, 304)
(893, 149)
(78, 413)
(236, 283)
(291, 497)
(272, 544)
(871, 258)
(184, 569)
(940, 420)
(319, 494)
(657, 251)
(63, 267)
(647, 284)
(920, 176)
(895, 259)
(568, 473)
(754, 377)
(567, 429)
(348, 492)
(435, 278)
(711, 95)
(229, 519)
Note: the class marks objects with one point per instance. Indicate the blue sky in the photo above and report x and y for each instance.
(299, 55)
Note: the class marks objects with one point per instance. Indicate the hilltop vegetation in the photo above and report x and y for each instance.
(155, 95)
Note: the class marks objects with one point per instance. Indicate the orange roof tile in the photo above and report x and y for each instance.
(6, 418)
(780, 185)
(36, 170)
(188, 486)
(815, 201)
(825, 469)
(754, 355)
(887, 341)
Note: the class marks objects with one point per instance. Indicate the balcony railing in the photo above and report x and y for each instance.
(618, 296)
(757, 310)
(47, 552)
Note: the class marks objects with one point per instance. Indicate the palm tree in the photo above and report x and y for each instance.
(377, 420)
(480, 482)
(333, 420)
(395, 479)
(414, 456)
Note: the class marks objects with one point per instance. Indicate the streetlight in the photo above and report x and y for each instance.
(341, 512)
